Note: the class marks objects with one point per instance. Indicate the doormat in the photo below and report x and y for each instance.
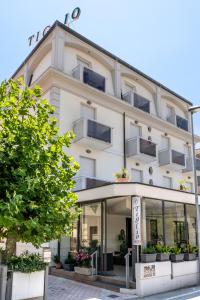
(113, 296)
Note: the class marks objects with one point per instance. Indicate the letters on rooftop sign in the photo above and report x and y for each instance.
(34, 38)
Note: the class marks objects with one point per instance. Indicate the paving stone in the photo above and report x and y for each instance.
(65, 289)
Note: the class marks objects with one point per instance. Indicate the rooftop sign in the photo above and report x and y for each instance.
(34, 38)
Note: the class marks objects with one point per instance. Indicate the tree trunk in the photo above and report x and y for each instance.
(11, 245)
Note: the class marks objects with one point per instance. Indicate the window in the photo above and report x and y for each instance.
(153, 220)
(164, 143)
(175, 229)
(136, 175)
(167, 182)
(87, 167)
(129, 88)
(178, 158)
(87, 112)
(170, 114)
(135, 131)
(83, 62)
(147, 147)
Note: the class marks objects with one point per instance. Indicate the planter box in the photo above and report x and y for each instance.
(190, 256)
(27, 285)
(162, 257)
(146, 258)
(83, 271)
(176, 257)
(68, 267)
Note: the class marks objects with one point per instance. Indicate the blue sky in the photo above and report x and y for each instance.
(161, 38)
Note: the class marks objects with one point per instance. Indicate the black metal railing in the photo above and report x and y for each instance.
(94, 79)
(147, 147)
(98, 131)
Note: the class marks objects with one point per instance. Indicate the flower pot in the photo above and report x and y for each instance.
(83, 271)
(27, 285)
(162, 257)
(122, 179)
(68, 267)
(147, 258)
(176, 257)
(58, 265)
(190, 256)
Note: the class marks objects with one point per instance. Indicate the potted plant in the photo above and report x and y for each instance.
(27, 271)
(148, 254)
(57, 261)
(182, 185)
(69, 262)
(163, 252)
(190, 252)
(176, 255)
(83, 263)
(122, 175)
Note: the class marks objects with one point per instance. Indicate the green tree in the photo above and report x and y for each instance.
(37, 203)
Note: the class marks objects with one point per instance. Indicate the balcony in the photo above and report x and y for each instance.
(178, 121)
(89, 77)
(189, 166)
(137, 101)
(83, 183)
(141, 149)
(91, 133)
(172, 159)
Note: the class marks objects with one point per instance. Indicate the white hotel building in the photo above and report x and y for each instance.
(121, 118)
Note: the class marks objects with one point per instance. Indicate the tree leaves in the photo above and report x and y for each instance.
(36, 174)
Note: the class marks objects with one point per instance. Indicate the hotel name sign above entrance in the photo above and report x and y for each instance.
(34, 38)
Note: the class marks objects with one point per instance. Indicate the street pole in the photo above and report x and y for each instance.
(196, 197)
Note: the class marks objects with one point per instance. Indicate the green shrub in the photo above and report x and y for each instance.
(56, 259)
(26, 263)
(70, 259)
(175, 250)
(190, 249)
(162, 249)
(149, 250)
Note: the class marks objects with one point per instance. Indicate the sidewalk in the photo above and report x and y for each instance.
(65, 289)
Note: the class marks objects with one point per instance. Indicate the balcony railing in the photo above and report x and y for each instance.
(83, 182)
(189, 166)
(178, 121)
(172, 159)
(141, 149)
(89, 77)
(137, 100)
(181, 123)
(93, 133)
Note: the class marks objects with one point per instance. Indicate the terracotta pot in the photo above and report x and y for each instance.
(58, 265)
(122, 180)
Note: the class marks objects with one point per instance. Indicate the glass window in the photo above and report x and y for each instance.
(87, 112)
(175, 229)
(135, 130)
(90, 225)
(164, 143)
(182, 123)
(178, 158)
(152, 220)
(191, 223)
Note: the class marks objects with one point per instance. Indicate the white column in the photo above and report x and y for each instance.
(158, 102)
(58, 45)
(116, 74)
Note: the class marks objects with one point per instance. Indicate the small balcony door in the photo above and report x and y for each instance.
(87, 167)
(135, 131)
(87, 112)
(165, 143)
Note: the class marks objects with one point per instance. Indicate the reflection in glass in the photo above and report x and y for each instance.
(175, 229)
(191, 223)
(152, 222)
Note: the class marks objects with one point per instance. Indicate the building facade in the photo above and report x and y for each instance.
(121, 118)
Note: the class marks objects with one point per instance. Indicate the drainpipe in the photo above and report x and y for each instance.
(124, 139)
